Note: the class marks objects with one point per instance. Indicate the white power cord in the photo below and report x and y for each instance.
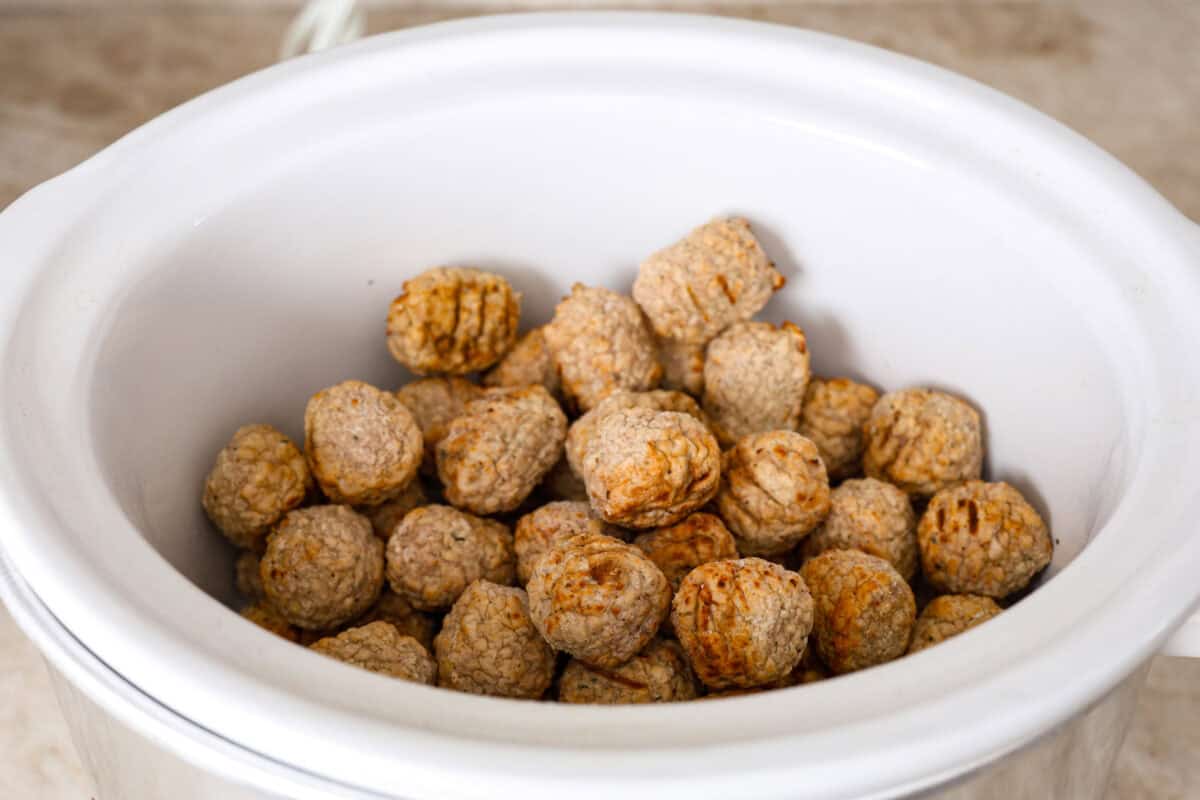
(321, 24)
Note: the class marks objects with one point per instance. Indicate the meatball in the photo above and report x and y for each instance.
(259, 476)
(645, 469)
(864, 610)
(386, 516)
(583, 430)
(834, 413)
(774, 491)
(363, 445)
(597, 598)
(529, 362)
(498, 451)
(434, 403)
(742, 623)
(923, 441)
(323, 567)
(948, 616)
(453, 320)
(601, 344)
(658, 674)
(379, 647)
(398, 612)
(982, 538)
(716, 276)
(680, 548)
(755, 377)
(683, 365)
(539, 530)
(488, 645)
(267, 618)
(246, 576)
(437, 551)
(871, 516)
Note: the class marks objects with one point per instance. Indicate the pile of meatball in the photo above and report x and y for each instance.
(648, 499)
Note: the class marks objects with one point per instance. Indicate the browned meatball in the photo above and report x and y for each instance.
(645, 469)
(716, 276)
(386, 516)
(583, 430)
(601, 344)
(363, 445)
(597, 598)
(774, 491)
(835, 411)
(323, 567)
(453, 320)
(488, 645)
(438, 551)
(923, 441)
(683, 365)
(742, 623)
(435, 403)
(948, 616)
(267, 618)
(982, 538)
(755, 376)
(395, 610)
(871, 516)
(379, 647)
(678, 549)
(658, 674)
(496, 453)
(864, 610)
(539, 530)
(259, 476)
(529, 362)
(247, 578)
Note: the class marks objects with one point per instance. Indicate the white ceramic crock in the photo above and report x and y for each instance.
(220, 264)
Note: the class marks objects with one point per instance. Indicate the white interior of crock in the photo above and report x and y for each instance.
(903, 269)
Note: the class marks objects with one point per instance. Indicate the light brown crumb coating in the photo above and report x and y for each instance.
(864, 610)
(742, 623)
(755, 376)
(379, 647)
(835, 411)
(583, 430)
(982, 538)
(646, 469)
(529, 362)
(774, 491)
(363, 444)
(488, 645)
(597, 598)
(323, 567)
(658, 674)
(498, 451)
(714, 277)
(453, 320)
(601, 344)
(923, 441)
(678, 549)
(871, 516)
(435, 403)
(258, 477)
(438, 551)
(542, 528)
(948, 616)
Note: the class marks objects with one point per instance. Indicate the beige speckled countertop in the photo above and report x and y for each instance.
(76, 74)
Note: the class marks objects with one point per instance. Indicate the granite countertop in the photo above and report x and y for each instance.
(76, 74)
